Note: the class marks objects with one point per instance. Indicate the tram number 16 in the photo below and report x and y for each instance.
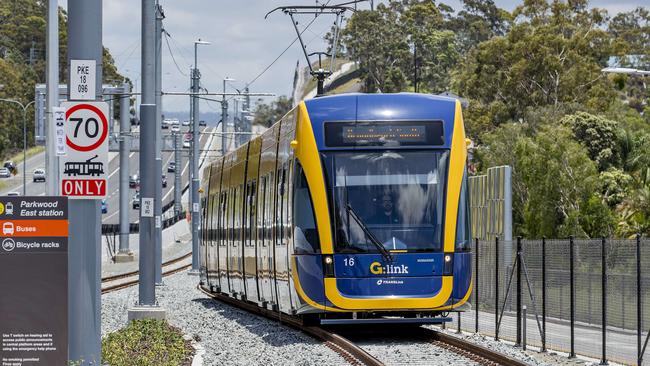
(349, 262)
(91, 127)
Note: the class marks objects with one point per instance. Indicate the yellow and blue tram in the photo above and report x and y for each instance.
(352, 208)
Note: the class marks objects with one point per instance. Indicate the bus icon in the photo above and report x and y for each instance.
(8, 228)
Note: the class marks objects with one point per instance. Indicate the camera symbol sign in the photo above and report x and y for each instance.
(83, 170)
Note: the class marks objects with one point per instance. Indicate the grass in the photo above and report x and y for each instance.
(18, 157)
(146, 342)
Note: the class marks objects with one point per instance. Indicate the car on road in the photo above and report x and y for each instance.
(186, 122)
(171, 167)
(164, 181)
(202, 123)
(135, 202)
(104, 207)
(39, 175)
(186, 144)
(14, 193)
(5, 173)
(176, 128)
(134, 181)
(11, 166)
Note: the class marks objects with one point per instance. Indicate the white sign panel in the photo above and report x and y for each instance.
(84, 169)
(82, 79)
(146, 207)
(59, 130)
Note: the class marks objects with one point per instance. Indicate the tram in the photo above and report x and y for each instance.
(351, 209)
(87, 167)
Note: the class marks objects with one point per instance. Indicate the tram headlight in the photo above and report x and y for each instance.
(448, 269)
(328, 266)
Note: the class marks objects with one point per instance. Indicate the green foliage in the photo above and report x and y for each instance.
(146, 342)
(22, 65)
(598, 135)
(390, 42)
(268, 114)
(552, 55)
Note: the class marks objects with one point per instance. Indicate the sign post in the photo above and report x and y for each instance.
(83, 170)
(34, 281)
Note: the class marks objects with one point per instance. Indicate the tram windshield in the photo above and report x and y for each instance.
(395, 198)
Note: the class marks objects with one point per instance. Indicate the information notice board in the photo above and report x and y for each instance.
(33, 281)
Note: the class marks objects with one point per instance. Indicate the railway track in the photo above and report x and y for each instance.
(350, 352)
(124, 280)
(355, 354)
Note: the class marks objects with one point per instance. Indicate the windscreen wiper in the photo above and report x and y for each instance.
(373, 239)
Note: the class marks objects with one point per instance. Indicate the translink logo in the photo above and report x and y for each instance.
(378, 269)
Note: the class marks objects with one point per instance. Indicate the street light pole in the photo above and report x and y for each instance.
(194, 174)
(224, 116)
(24, 108)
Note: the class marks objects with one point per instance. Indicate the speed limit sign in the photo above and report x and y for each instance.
(84, 170)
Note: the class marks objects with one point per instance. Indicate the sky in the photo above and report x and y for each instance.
(243, 43)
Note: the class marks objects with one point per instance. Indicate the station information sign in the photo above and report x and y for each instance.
(84, 169)
(33, 280)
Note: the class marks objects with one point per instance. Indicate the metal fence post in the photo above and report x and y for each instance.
(638, 299)
(518, 263)
(572, 297)
(603, 274)
(459, 315)
(496, 288)
(476, 258)
(523, 328)
(543, 294)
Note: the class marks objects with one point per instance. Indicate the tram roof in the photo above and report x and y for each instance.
(381, 107)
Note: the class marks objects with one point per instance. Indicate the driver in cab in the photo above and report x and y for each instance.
(386, 213)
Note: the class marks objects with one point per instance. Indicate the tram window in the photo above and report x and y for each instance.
(306, 239)
(463, 238)
(222, 220)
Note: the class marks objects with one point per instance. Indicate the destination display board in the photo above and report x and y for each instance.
(390, 134)
(33, 281)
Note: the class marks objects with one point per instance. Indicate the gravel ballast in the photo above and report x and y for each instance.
(229, 336)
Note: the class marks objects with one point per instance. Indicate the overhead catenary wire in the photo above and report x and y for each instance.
(285, 50)
(172, 54)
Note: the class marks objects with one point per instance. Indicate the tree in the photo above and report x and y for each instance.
(479, 21)
(400, 36)
(553, 54)
(267, 114)
(598, 135)
(633, 27)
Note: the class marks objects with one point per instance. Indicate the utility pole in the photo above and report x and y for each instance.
(224, 117)
(147, 307)
(124, 254)
(52, 81)
(178, 190)
(194, 175)
(191, 151)
(157, 201)
(84, 255)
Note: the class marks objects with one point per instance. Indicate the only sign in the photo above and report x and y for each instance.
(84, 170)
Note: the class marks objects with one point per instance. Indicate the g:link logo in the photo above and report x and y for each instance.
(377, 269)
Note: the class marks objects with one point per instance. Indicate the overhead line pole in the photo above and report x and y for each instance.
(84, 255)
(147, 307)
(194, 183)
(52, 84)
(124, 254)
(158, 167)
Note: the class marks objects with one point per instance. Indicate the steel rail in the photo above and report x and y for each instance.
(123, 285)
(352, 353)
(473, 351)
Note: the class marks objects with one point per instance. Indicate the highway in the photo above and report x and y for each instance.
(15, 183)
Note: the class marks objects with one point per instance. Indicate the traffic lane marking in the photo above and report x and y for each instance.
(29, 228)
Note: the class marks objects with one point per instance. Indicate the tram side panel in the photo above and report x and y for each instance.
(265, 252)
(228, 224)
(250, 227)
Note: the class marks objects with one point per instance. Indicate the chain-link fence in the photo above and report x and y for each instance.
(587, 297)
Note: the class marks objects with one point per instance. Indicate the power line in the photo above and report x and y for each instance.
(172, 54)
(285, 50)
